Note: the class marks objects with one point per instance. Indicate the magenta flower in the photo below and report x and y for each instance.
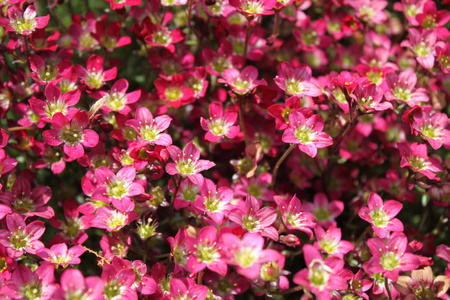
(321, 276)
(26, 201)
(94, 77)
(46, 73)
(431, 18)
(73, 284)
(117, 99)
(187, 163)
(20, 237)
(416, 157)
(27, 284)
(59, 255)
(178, 249)
(423, 45)
(381, 215)
(370, 11)
(174, 92)
(25, 23)
(389, 257)
(432, 127)
(243, 82)
(443, 251)
(293, 216)
(120, 4)
(111, 219)
(56, 103)
(324, 212)
(443, 57)
(6, 163)
(187, 194)
(281, 112)
(71, 133)
(149, 129)
(186, 289)
(246, 254)
(330, 242)
(204, 252)
(295, 81)
(359, 286)
(159, 35)
(306, 131)
(254, 8)
(253, 218)
(214, 202)
(368, 98)
(118, 283)
(220, 123)
(402, 88)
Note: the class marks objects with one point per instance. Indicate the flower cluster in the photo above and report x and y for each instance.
(224, 149)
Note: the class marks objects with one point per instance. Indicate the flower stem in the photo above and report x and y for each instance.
(242, 121)
(18, 128)
(386, 285)
(280, 161)
(247, 36)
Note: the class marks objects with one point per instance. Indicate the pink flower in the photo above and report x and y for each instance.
(443, 57)
(295, 81)
(186, 289)
(432, 127)
(158, 35)
(443, 251)
(325, 212)
(111, 219)
(254, 8)
(220, 124)
(370, 11)
(118, 283)
(19, 237)
(402, 88)
(117, 99)
(416, 157)
(46, 73)
(368, 98)
(73, 284)
(389, 256)
(71, 133)
(321, 277)
(423, 45)
(293, 216)
(174, 92)
(359, 285)
(204, 252)
(187, 163)
(306, 131)
(214, 202)
(26, 201)
(255, 219)
(281, 112)
(59, 255)
(149, 129)
(178, 249)
(330, 242)
(25, 23)
(381, 215)
(246, 254)
(56, 103)
(120, 4)
(94, 77)
(243, 82)
(27, 284)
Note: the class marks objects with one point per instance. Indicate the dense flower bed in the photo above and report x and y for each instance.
(224, 149)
